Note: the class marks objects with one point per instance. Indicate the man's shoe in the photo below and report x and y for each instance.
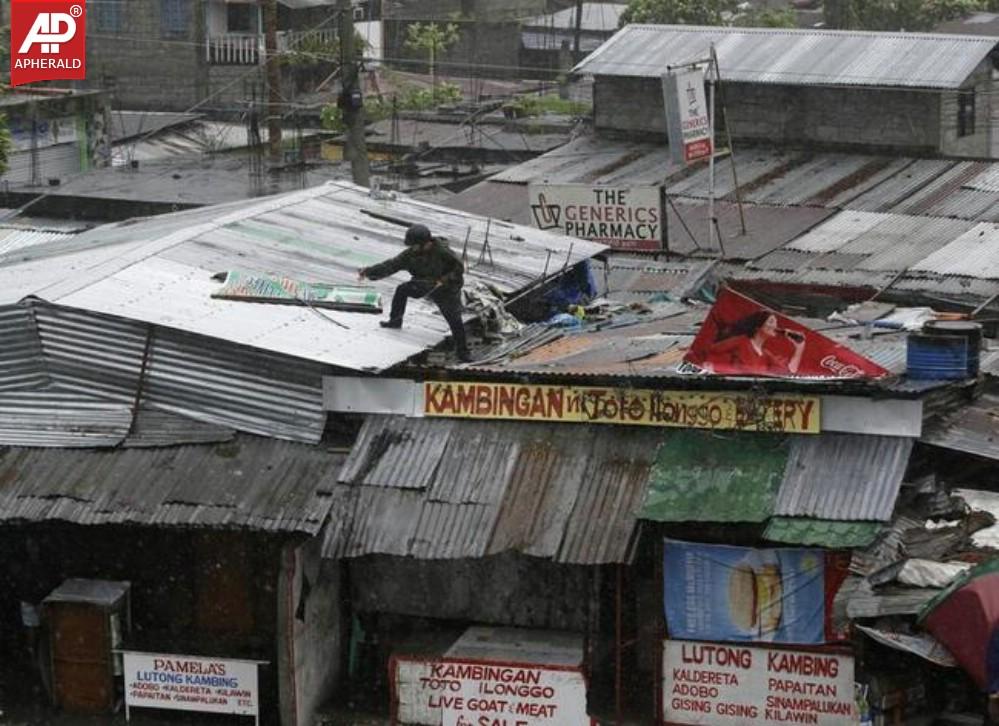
(390, 323)
(464, 356)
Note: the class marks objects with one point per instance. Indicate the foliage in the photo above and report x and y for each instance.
(538, 105)
(767, 18)
(910, 15)
(682, 12)
(6, 143)
(411, 99)
(431, 37)
(313, 49)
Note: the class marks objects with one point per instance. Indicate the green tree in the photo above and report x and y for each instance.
(898, 14)
(678, 12)
(767, 18)
(434, 39)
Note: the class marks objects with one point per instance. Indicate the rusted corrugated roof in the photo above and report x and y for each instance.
(843, 477)
(249, 483)
(973, 429)
(546, 490)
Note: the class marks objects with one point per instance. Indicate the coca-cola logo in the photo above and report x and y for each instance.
(841, 369)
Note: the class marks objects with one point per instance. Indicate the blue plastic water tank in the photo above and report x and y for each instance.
(936, 357)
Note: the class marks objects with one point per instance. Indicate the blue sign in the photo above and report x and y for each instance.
(717, 592)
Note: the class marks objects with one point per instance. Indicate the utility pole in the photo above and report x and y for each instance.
(351, 100)
(578, 32)
(273, 82)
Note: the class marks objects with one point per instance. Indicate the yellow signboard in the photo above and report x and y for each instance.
(731, 410)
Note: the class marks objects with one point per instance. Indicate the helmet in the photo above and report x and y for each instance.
(417, 235)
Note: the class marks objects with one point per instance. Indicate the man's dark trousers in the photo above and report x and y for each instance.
(448, 301)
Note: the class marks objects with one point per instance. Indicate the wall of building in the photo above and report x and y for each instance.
(504, 589)
(979, 143)
(312, 642)
(144, 64)
(450, 9)
(489, 50)
(884, 118)
(57, 137)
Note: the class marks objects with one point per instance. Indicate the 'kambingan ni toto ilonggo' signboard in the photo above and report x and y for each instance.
(458, 692)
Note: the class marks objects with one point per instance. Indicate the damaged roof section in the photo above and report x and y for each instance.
(71, 378)
(545, 490)
(159, 270)
(249, 483)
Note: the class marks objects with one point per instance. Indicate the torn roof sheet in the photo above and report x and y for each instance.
(159, 270)
(795, 57)
(256, 483)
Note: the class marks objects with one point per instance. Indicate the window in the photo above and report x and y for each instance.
(965, 113)
(108, 15)
(175, 18)
(241, 18)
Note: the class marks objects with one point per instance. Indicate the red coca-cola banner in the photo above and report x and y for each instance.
(740, 337)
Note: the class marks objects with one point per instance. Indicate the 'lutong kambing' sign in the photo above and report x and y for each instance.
(640, 407)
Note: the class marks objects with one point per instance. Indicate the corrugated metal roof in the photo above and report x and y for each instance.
(973, 429)
(540, 489)
(68, 360)
(843, 477)
(821, 532)
(795, 57)
(250, 483)
(159, 270)
(974, 254)
(708, 476)
(21, 365)
(13, 239)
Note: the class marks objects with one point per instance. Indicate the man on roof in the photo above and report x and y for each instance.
(437, 273)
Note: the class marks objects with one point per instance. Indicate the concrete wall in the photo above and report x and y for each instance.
(490, 50)
(980, 142)
(903, 120)
(312, 639)
(504, 589)
(145, 67)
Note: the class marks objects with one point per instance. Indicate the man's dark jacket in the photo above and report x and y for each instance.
(438, 264)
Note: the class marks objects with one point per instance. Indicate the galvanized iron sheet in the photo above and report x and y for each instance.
(843, 477)
(91, 362)
(21, 364)
(250, 483)
(566, 493)
(795, 57)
